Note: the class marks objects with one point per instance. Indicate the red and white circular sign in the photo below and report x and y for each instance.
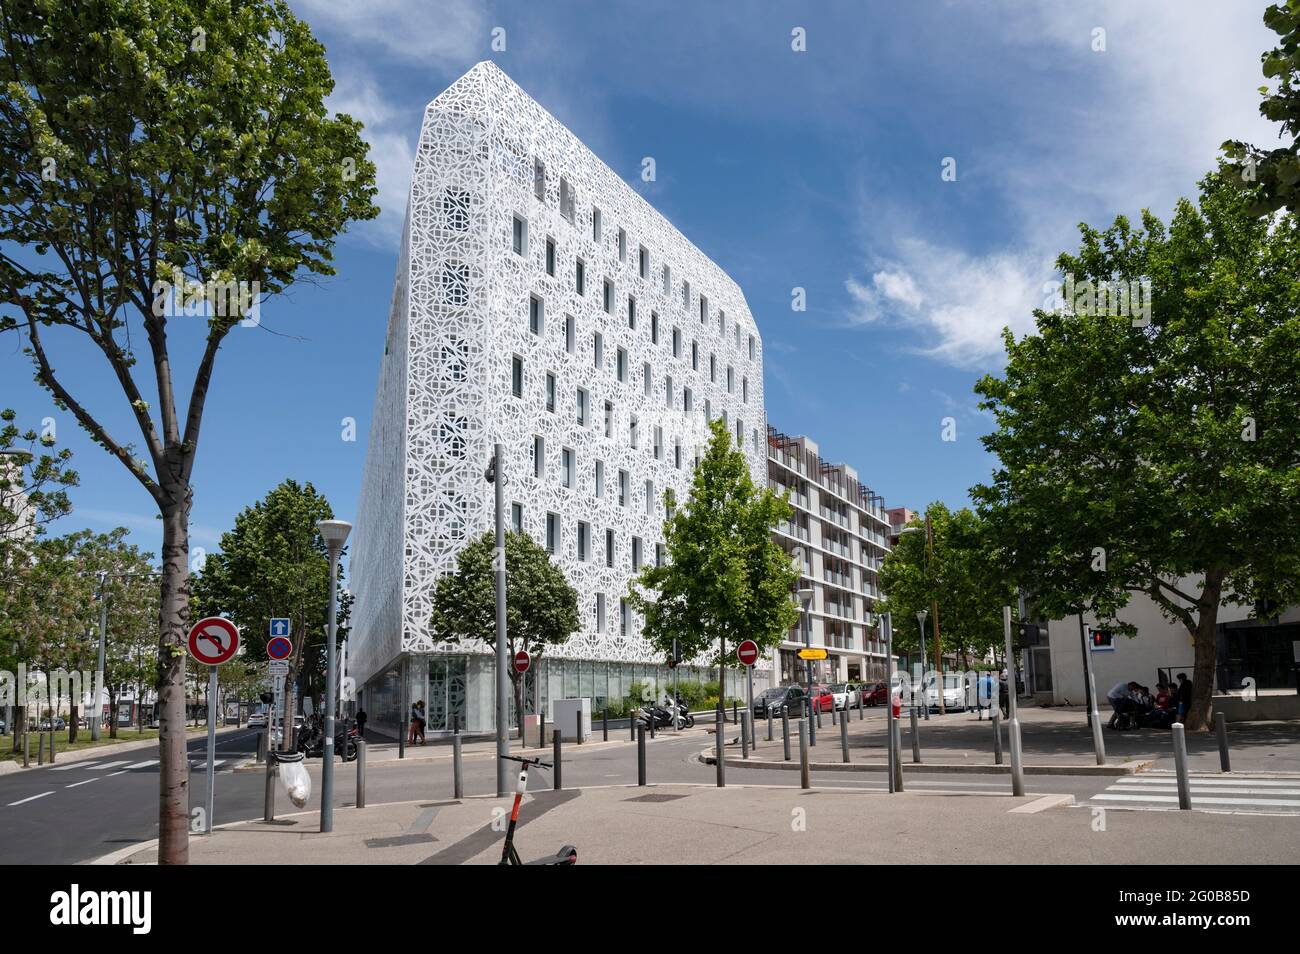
(213, 640)
(747, 652)
(522, 661)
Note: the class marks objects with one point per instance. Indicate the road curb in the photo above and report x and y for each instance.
(937, 768)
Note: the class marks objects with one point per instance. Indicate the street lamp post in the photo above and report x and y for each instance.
(925, 699)
(335, 534)
(496, 475)
(98, 711)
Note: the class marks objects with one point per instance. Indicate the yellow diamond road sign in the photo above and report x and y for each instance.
(812, 654)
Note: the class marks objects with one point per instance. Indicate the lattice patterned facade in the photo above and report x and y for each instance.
(542, 303)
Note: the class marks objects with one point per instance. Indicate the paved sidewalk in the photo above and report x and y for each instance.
(1052, 739)
(694, 824)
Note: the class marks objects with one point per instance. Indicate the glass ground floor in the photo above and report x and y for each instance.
(458, 690)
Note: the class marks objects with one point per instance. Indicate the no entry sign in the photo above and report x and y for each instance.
(747, 652)
(213, 640)
(522, 661)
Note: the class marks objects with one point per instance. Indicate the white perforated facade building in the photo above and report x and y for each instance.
(542, 303)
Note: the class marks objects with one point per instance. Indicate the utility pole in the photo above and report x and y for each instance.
(925, 702)
(1098, 743)
(934, 607)
(98, 703)
(335, 534)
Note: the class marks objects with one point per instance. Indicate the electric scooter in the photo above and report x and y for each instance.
(568, 855)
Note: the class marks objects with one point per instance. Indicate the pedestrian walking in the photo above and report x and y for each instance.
(361, 723)
(1184, 695)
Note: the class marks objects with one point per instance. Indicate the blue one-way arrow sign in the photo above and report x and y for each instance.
(280, 626)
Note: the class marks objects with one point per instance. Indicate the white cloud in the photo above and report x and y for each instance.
(406, 29)
(392, 150)
(1133, 127)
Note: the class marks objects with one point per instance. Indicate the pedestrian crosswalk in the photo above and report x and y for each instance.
(1258, 794)
(126, 765)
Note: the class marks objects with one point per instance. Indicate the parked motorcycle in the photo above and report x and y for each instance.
(651, 714)
(685, 718)
(311, 740)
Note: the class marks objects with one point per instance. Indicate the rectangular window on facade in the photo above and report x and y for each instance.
(686, 295)
(636, 554)
(609, 548)
(731, 380)
(622, 488)
(517, 517)
(620, 364)
(517, 376)
(550, 392)
(631, 430)
(740, 434)
(695, 355)
(722, 324)
(713, 368)
(570, 333)
(609, 419)
(668, 280)
(622, 245)
(584, 541)
(600, 478)
(600, 612)
(654, 327)
(539, 455)
(704, 309)
(539, 179)
(519, 235)
(550, 257)
(580, 407)
(659, 444)
(595, 225)
(535, 314)
(643, 261)
(566, 199)
(631, 312)
(649, 497)
(580, 277)
(566, 467)
(677, 342)
(688, 400)
(646, 377)
(751, 347)
(607, 301)
(624, 618)
(668, 392)
(597, 349)
(659, 554)
(708, 409)
(552, 532)
(744, 389)
(677, 454)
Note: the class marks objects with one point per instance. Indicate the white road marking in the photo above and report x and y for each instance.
(140, 765)
(1208, 790)
(24, 801)
(74, 765)
(109, 765)
(1202, 800)
(87, 781)
(1171, 780)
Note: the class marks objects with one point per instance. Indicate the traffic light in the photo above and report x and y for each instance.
(266, 698)
(1030, 634)
(1101, 640)
(675, 659)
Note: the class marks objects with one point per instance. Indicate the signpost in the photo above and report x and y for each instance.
(807, 653)
(522, 661)
(747, 653)
(212, 641)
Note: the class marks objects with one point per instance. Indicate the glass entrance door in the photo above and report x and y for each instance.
(446, 704)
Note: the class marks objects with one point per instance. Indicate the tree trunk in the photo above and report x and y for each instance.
(73, 723)
(173, 770)
(20, 726)
(112, 714)
(1205, 642)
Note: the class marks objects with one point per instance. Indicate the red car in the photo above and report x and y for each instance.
(873, 695)
(823, 699)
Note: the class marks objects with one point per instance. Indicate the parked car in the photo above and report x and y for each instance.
(823, 698)
(873, 694)
(777, 697)
(846, 694)
(954, 695)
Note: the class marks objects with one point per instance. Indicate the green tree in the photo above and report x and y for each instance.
(959, 576)
(541, 605)
(1158, 459)
(1272, 176)
(150, 147)
(33, 492)
(725, 580)
(273, 563)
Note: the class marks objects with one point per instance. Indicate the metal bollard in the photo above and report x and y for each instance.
(361, 773)
(916, 738)
(819, 721)
(40, 748)
(640, 756)
(541, 730)
(744, 739)
(769, 723)
(556, 759)
(580, 732)
(835, 714)
(51, 745)
(997, 738)
(1221, 730)
(27, 750)
(604, 726)
(860, 715)
(812, 726)
(804, 780)
(844, 737)
(898, 753)
(261, 747)
(785, 730)
(652, 724)
(457, 769)
(631, 725)
(734, 715)
(719, 755)
(1180, 766)
(268, 796)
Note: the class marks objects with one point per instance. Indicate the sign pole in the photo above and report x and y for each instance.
(212, 750)
(1013, 723)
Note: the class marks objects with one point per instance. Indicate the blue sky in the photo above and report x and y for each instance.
(819, 169)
